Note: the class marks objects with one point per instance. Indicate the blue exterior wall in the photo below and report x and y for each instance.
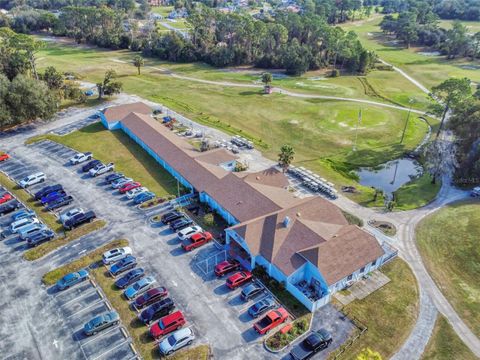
(231, 235)
(110, 126)
(229, 218)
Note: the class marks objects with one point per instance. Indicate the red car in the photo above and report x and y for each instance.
(238, 279)
(226, 266)
(129, 186)
(196, 240)
(151, 296)
(4, 157)
(271, 320)
(5, 197)
(167, 324)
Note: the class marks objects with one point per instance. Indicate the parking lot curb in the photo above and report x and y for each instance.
(124, 333)
(133, 349)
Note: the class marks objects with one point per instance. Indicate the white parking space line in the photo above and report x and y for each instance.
(101, 335)
(85, 308)
(82, 295)
(110, 350)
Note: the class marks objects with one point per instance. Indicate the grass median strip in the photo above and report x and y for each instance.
(45, 248)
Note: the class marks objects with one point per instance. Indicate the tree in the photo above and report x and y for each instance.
(369, 354)
(138, 62)
(109, 86)
(286, 156)
(53, 78)
(267, 78)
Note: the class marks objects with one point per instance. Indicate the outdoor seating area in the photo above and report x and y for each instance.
(310, 291)
(313, 181)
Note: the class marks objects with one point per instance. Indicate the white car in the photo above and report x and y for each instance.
(67, 215)
(189, 231)
(18, 225)
(115, 255)
(101, 169)
(177, 340)
(80, 157)
(475, 191)
(32, 180)
(29, 229)
(117, 184)
(134, 192)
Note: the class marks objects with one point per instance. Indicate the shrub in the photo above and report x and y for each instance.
(209, 220)
(335, 73)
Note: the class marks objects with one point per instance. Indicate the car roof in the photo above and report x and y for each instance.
(182, 333)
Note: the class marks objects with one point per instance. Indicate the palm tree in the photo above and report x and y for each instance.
(285, 157)
(138, 62)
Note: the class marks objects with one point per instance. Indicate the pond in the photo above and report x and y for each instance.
(390, 176)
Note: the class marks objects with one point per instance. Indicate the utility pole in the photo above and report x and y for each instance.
(356, 129)
(410, 101)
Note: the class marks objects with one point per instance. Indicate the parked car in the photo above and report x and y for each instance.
(144, 196)
(250, 291)
(4, 157)
(129, 186)
(40, 237)
(271, 320)
(23, 214)
(101, 169)
(313, 343)
(116, 184)
(101, 322)
(113, 177)
(130, 278)
(156, 310)
(5, 197)
(32, 179)
(79, 219)
(9, 207)
(181, 223)
(150, 297)
(16, 226)
(134, 192)
(127, 263)
(475, 192)
(187, 232)
(261, 306)
(226, 266)
(47, 190)
(90, 165)
(28, 230)
(80, 157)
(55, 195)
(167, 324)
(70, 213)
(196, 240)
(238, 279)
(115, 255)
(61, 202)
(177, 340)
(72, 279)
(139, 287)
(172, 216)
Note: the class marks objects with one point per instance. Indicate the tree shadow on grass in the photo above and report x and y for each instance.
(247, 93)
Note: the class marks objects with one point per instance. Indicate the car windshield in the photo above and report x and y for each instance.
(171, 340)
(136, 286)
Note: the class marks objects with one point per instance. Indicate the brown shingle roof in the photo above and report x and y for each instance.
(117, 113)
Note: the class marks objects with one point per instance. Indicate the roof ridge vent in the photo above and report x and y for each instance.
(286, 221)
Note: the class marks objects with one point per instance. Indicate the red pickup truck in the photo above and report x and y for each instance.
(271, 320)
(196, 240)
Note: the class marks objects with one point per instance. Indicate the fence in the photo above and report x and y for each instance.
(361, 330)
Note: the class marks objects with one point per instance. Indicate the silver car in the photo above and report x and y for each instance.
(177, 340)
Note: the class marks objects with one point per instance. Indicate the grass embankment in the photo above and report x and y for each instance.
(115, 146)
(47, 247)
(137, 330)
(445, 344)
(389, 313)
(417, 193)
(448, 243)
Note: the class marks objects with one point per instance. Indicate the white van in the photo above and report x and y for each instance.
(32, 179)
(19, 224)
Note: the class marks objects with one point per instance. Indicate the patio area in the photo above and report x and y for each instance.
(361, 289)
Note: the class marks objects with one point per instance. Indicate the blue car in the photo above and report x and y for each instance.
(139, 287)
(142, 197)
(22, 214)
(53, 196)
(129, 278)
(262, 306)
(126, 263)
(72, 279)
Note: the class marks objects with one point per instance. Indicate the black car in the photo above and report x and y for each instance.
(113, 177)
(316, 341)
(157, 310)
(172, 216)
(181, 223)
(9, 207)
(67, 200)
(47, 190)
(129, 278)
(79, 219)
(90, 165)
(40, 236)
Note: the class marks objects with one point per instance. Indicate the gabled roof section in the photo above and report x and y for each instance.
(117, 113)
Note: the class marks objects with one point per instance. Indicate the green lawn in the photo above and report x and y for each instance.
(472, 26)
(162, 10)
(448, 243)
(389, 313)
(445, 344)
(321, 131)
(129, 158)
(429, 70)
(416, 193)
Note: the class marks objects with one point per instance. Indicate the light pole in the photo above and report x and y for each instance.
(410, 101)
